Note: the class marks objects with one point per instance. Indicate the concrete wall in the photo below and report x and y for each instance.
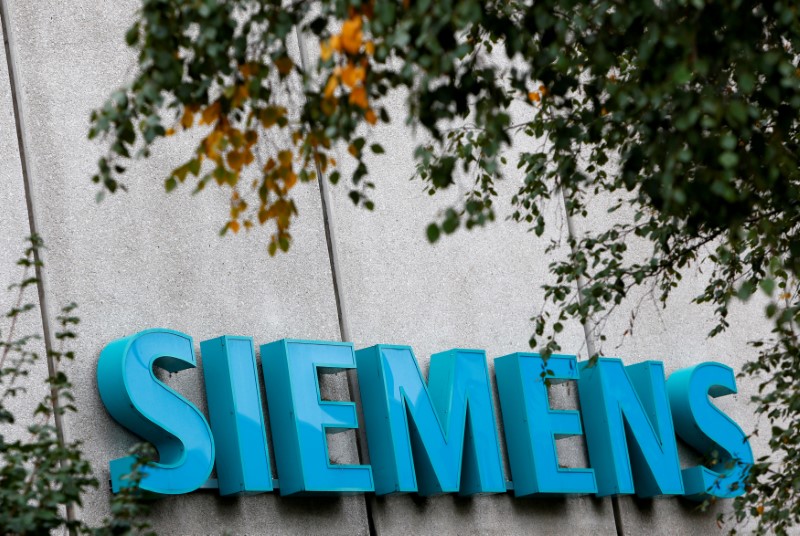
(144, 259)
(14, 228)
(678, 335)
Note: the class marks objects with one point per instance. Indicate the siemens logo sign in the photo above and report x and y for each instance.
(439, 437)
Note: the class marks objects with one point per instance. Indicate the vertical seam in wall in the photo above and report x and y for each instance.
(22, 148)
(590, 344)
(344, 327)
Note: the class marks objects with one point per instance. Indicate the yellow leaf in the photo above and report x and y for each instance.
(358, 97)
(285, 158)
(352, 75)
(284, 65)
(188, 118)
(242, 92)
(211, 143)
(760, 509)
(352, 35)
(246, 69)
(235, 160)
(235, 137)
(543, 90)
(290, 180)
(331, 86)
(325, 50)
(270, 115)
(283, 211)
(360, 74)
(534, 96)
(353, 150)
(170, 132)
(210, 114)
(370, 117)
(369, 48)
(233, 226)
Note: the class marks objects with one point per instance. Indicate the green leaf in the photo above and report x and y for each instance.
(170, 184)
(767, 285)
(728, 159)
(432, 231)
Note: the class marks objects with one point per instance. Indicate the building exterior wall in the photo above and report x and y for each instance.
(143, 259)
(14, 227)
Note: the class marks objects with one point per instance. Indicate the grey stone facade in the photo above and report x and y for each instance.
(143, 259)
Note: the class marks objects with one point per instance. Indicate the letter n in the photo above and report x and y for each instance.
(628, 427)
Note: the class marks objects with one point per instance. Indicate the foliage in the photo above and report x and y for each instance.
(128, 507)
(42, 477)
(682, 115)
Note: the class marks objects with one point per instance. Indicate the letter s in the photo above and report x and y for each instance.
(706, 428)
(147, 407)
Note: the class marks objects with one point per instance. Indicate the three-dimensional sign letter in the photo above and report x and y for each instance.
(147, 407)
(414, 429)
(629, 430)
(531, 427)
(299, 418)
(702, 425)
(236, 415)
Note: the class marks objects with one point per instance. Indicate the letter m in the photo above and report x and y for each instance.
(433, 439)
